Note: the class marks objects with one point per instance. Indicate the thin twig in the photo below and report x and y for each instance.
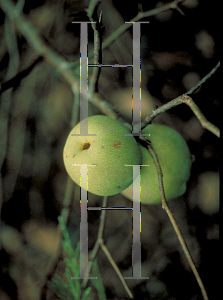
(203, 120)
(100, 243)
(99, 239)
(19, 76)
(193, 89)
(69, 191)
(188, 101)
(97, 46)
(118, 32)
(174, 223)
(112, 262)
(29, 32)
(139, 16)
(6, 99)
(91, 8)
(93, 83)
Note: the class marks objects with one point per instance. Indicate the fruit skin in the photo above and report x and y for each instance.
(175, 161)
(110, 150)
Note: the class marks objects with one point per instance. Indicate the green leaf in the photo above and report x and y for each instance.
(60, 288)
(86, 294)
(71, 290)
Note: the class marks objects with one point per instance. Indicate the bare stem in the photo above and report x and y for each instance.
(97, 44)
(118, 32)
(140, 15)
(30, 33)
(100, 243)
(196, 110)
(174, 223)
(99, 239)
(112, 262)
(93, 83)
(188, 101)
(204, 79)
(91, 7)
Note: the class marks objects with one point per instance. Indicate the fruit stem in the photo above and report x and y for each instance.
(174, 223)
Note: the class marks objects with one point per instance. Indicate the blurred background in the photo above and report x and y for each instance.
(178, 48)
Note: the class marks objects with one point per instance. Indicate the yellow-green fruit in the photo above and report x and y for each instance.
(175, 160)
(110, 150)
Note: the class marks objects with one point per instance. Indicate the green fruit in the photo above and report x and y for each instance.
(175, 161)
(110, 150)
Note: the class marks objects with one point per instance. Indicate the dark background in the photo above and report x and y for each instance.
(177, 51)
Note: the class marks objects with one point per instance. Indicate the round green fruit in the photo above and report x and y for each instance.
(110, 150)
(175, 161)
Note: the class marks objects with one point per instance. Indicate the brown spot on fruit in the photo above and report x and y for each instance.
(117, 144)
(86, 146)
(118, 156)
(119, 187)
(102, 147)
(74, 155)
